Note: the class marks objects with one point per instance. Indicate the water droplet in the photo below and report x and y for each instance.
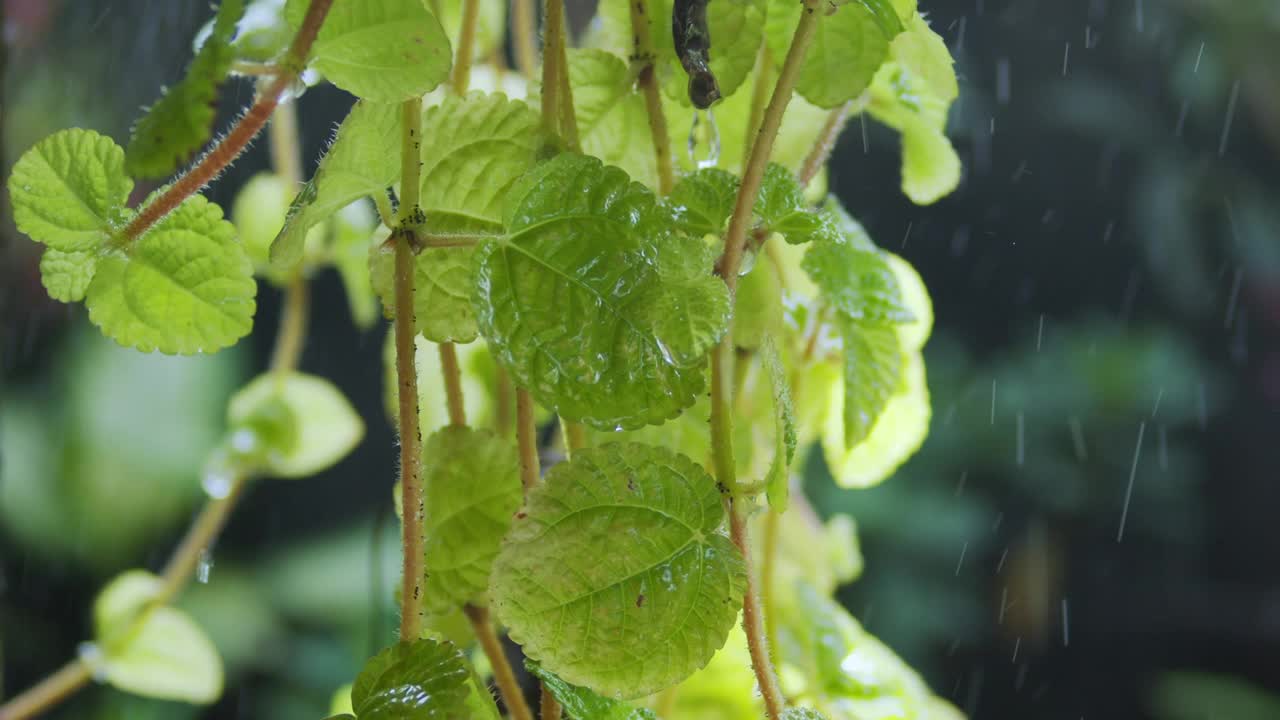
(749, 255)
(244, 441)
(666, 352)
(204, 566)
(713, 141)
(217, 482)
(92, 656)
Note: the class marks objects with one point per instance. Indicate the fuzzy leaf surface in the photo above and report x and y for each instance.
(617, 576)
(418, 680)
(180, 121)
(472, 485)
(381, 50)
(848, 47)
(584, 704)
(357, 164)
(69, 190)
(859, 283)
(703, 201)
(474, 149)
(184, 287)
(585, 308)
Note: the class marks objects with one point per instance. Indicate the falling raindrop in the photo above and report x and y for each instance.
(1133, 472)
(1066, 625)
(1231, 116)
(713, 140)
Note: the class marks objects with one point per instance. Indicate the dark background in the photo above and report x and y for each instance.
(1108, 271)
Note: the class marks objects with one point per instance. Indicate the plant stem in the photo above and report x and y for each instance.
(648, 82)
(503, 676)
(385, 213)
(466, 47)
(452, 384)
(502, 420)
(527, 440)
(568, 115)
(553, 37)
(48, 692)
(411, 611)
(817, 157)
(759, 93)
(549, 708)
(575, 437)
(761, 149)
(293, 326)
(752, 619)
(245, 130)
(524, 29)
(772, 522)
(722, 356)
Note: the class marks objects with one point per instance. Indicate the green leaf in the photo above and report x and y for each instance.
(777, 481)
(184, 287)
(736, 29)
(69, 191)
(757, 309)
(155, 652)
(583, 704)
(581, 307)
(704, 200)
(895, 432)
(298, 424)
(418, 680)
(358, 164)
(472, 487)
(353, 230)
(912, 93)
(847, 48)
(259, 211)
(840, 666)
(860, 284)
(782, 208)
(444, 277)
(873, 372)
(382, 50)
(474, 149)
(263, 35)
(180, 121)
(613, 123)
(616, 576)
(900, 427)
(66, 275)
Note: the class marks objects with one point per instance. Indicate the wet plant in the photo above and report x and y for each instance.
(690, 327)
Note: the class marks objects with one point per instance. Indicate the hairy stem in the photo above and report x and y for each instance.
(722, 356)
(524, 28)
(817, 157)
(411, 610)
(452, 384)
(461, 79)
(568, 114)
(759, 94)
(752, 618)
(503, 676)
(648, 82)
(553, 38)
(772, 524)
(237, 139)
(527, 440)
